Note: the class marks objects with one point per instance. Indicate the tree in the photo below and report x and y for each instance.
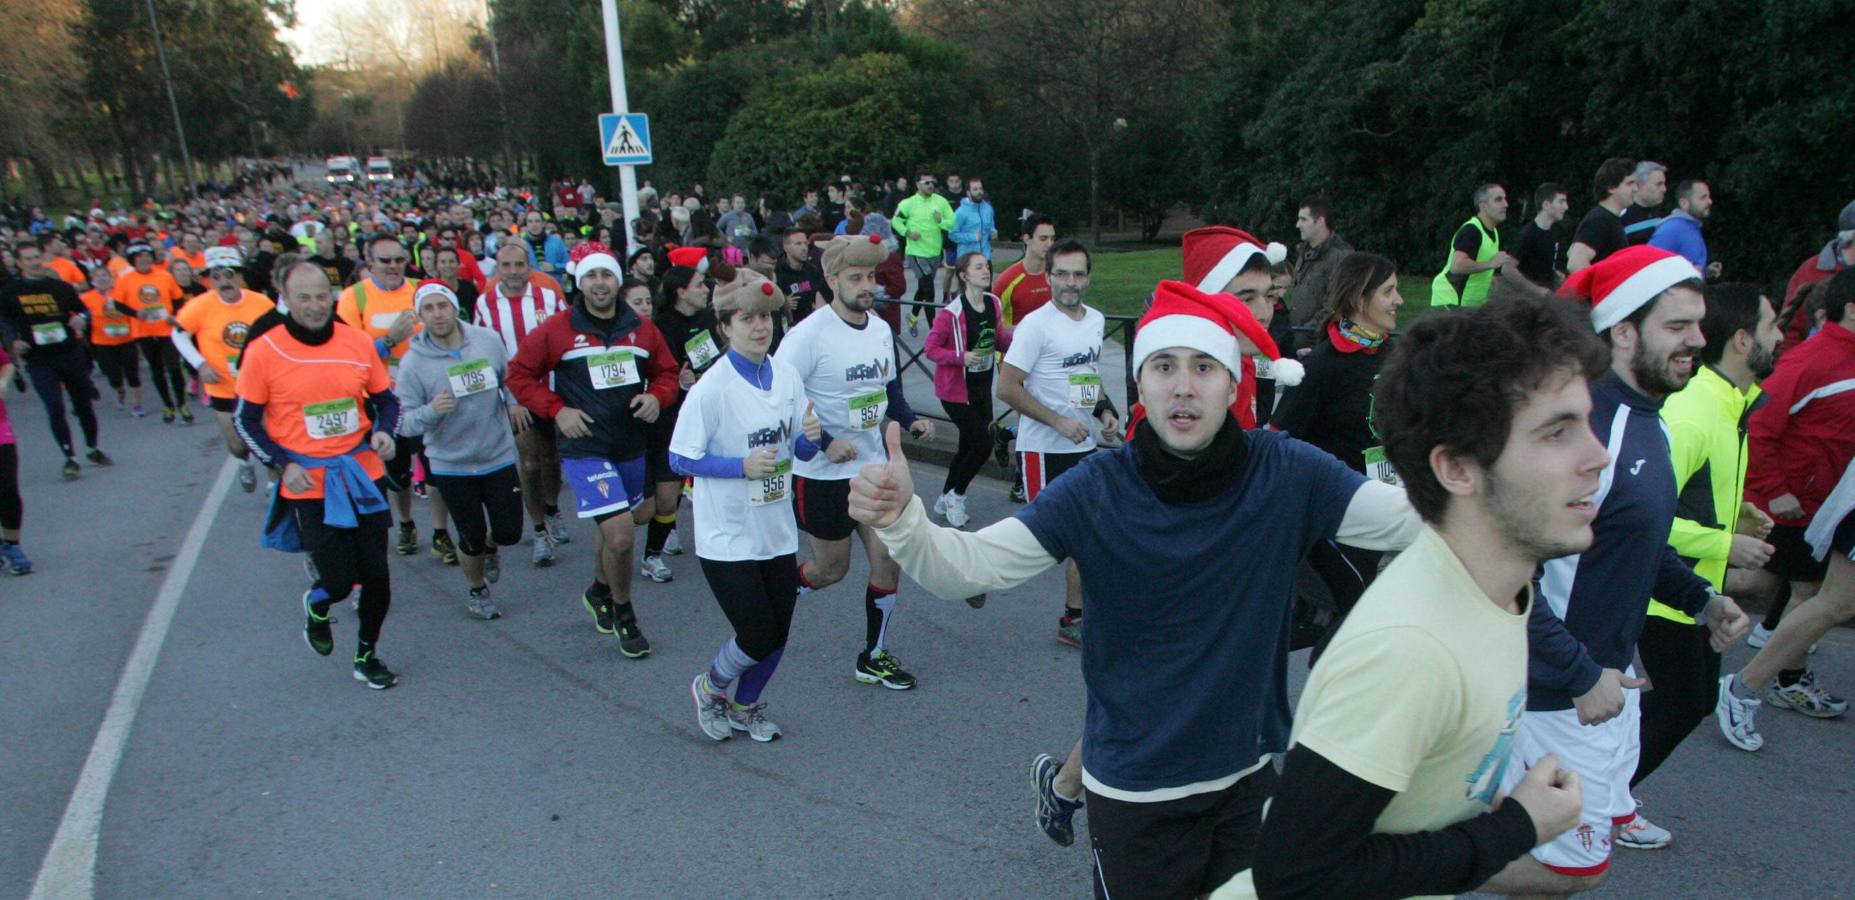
(854, 115)
(38, 65)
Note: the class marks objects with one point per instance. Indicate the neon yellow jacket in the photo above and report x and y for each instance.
(1707, 439)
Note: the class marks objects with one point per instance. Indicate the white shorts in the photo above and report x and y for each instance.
(1604, 756)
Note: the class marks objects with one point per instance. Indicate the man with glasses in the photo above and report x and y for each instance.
(924, 219)
(210, 335)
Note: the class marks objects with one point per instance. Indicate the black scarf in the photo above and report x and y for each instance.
(314, 338)
(1208, 475)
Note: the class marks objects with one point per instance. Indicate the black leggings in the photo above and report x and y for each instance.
(55, 374)
(468, 497)
(1686, 672)
(972, 420)
(119, 364)
(164, 370)
(1347, 572)
(12, 512)
(757, 596)
(345, 557)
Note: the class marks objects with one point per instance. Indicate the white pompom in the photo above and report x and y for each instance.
(1275, 253)
(1288, 372)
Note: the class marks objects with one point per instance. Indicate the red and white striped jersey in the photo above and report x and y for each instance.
(513, 319)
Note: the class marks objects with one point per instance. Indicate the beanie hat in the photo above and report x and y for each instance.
(1845, 221)
(430, 287)
(749, 292)
(845, 251)
(696, 258)
(1626, 281)
(1216, 253)
(590, 256)
(224, 258)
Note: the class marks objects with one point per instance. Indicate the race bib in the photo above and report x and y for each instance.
(1084, 390)
(774, 488)
(473, 377)
(116, 329)
(984, 364)
(701, 350)
(615, 368)
(866, 409)
(1377, 467)
(332, 419)
(383, 321)
(48, 333)
(152, 314)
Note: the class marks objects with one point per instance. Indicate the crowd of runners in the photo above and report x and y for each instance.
(1530, 517)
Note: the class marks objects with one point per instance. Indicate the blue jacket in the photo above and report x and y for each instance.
(973, 224)
(1680, 233)
(1595, 601)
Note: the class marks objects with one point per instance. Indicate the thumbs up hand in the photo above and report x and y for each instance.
(812, 428)
(880, 491)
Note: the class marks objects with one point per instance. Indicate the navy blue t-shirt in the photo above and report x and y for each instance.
(1185, 645)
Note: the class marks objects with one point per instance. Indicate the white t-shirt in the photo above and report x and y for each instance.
(1061, 361)
(846, 371)
(724, 415)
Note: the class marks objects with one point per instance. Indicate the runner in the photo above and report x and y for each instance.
(1583, 693)
(149, 293)
(12, 511)
(603, 407)
(1401, 737)
(451, 394)
(210, 334)
(964, 344)
(112, 341)
(44, 323)
(1475, 254)
(1022, 288)
(1176, 778)
(924, 219)
(739, 430)
(846, 361)
(688, 327)
(306, 391)
(515, 305)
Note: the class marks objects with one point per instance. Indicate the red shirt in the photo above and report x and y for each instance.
(1020, 293)
(1800, 440)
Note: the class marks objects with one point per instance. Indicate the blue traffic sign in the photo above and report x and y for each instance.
(625, 139)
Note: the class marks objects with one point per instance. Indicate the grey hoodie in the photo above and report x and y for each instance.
(474, 437)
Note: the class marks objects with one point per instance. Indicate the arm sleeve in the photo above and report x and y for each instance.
(1318, 841)
(1379, 517)
(385, 411)
(249, 423)
(953, 563)
(184, 343)
(899, 410)
(1555, 659)
(707, 466)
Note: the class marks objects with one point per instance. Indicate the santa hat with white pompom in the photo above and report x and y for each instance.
(1215, 254)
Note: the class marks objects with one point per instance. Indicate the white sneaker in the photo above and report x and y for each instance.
(1736, 717)
(544, 550)
(956, 511)
(1805, 697)
(673, 545)
(654, 568)
(940, 504)
(1760, 637)
(753, 720)
(1641, 834)
(556, 529)
(711, 709)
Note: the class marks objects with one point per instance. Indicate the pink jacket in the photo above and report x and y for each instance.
(946, 347)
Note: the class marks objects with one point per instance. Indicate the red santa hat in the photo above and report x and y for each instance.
(1215, 254)
(695, 258)
(1184, 316)
(590, 256)
(1626, 281)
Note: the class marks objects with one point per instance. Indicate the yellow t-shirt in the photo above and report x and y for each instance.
(1419, 693)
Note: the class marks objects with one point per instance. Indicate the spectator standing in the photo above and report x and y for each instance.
(1315, 257)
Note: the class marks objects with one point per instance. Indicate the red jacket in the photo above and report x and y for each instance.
(1817, 268)
(1803, 437)
(565, 346)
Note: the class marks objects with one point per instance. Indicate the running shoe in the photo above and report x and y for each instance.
(248, 476)
(138, 411)
(1001, 444)
(481, 606)
(884, 669)
(654, 568)
(711, 708)
(673, 544)
(632, 643)
(98, 457)
(914, 324)
(956, 511)
(122, 398)
(316, 631)
(186, 414)
(1055, 815)
(1805, 697)
(1017, 493)
(369, 670)
(556, 528)
(167, 415)
(492, 566)
(1737, 717)
(1069, 631)
(1761, 636)
(940, 504)
(544, 550)
(418, 490)
(444, 549)
(602, 614)
(408, 539)
(753, 720)
(976, 601)
(15, 559)
(70, 469)
(1641, 834)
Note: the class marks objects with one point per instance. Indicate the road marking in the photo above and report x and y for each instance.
(70, 866)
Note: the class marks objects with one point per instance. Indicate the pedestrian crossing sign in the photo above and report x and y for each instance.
(625, 139)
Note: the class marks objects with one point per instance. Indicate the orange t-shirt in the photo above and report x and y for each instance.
(219, 330)
(315, 398)
(196, 260)
(71, 273)
(118, 265)
(152, 298)
(382, 308)
(107, 330)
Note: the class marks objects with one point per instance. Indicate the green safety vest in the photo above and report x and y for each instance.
(1475, 290)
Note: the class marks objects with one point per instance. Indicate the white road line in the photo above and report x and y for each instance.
(70, 866)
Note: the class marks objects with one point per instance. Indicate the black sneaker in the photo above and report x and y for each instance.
(370, 671)
(70, 469)
(186, 414)
(167, 415)
(444, 549)
(884, 669)
(602, 614)
(976, 601)
(408, 539)
(316, 630)
(632, 643)
(99, 458)
(1001, 445)
(1017, 492)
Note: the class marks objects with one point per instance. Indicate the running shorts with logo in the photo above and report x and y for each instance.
(1042, 468)
(1604, 756)
(604, 487)
(469, 497)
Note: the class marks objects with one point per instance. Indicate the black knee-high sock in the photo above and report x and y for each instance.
(878, 606)
(657, 532)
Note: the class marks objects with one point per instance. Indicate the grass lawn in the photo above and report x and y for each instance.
(1123, 281)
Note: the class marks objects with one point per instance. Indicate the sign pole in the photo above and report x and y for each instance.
(627, 175)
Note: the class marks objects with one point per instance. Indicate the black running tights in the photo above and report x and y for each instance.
(55, 375)
(12, 512)
(346, 557)
(975, 440)
(164, 370)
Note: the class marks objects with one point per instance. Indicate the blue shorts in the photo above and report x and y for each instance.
(604, 488)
